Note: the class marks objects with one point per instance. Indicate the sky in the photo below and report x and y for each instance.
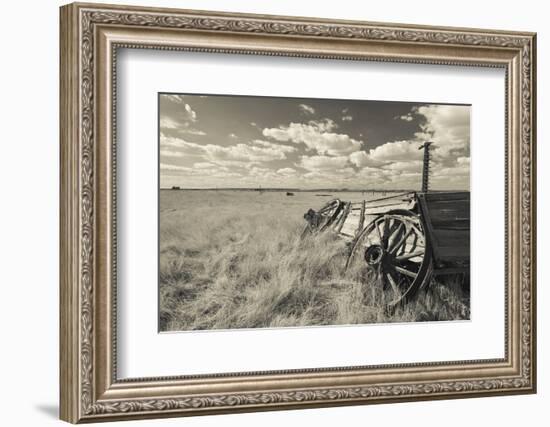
(227, 141)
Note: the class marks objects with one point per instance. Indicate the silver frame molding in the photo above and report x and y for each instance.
(90, 37)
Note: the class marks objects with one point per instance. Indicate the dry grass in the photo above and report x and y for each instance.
(235, 260)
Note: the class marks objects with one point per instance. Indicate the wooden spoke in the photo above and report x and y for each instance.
(383, 281)
(385, 234)
(403, 239)
(409, 255)
(414, 242)
(378, 231)
(393, 285)
(394, 245)
(405, 271)
(397, 236)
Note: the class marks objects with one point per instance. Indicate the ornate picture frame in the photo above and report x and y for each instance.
(90, 37)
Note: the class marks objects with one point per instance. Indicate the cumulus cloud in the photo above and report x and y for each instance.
(239, 152)
(323, 163)
(306, 109)
(176, 99)
(168, 123)
(280, 147)
(171, 153)
(448, 126)
(287, 171)
(315, 153)
(463, 161)
(317, 135)
(412, 166)
(168, 167)
(191, 131)
(189, 113)
(362, 159)
(206, 165)
(198, 170)
(396, 151)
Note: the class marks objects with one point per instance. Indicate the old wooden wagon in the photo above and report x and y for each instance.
(404, 238)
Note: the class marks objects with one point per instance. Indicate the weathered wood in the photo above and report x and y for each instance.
(456, 210)
(345, 214)
(446, 196)
(361, 219)
(447, 219)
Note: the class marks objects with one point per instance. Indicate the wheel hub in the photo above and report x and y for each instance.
(374, 255)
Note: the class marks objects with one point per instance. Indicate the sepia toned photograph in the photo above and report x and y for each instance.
(294, 212)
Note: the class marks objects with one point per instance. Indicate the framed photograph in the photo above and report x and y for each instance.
(266, 212)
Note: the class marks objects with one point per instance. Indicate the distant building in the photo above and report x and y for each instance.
(175, 187)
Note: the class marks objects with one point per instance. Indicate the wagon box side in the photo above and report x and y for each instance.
(446, 216)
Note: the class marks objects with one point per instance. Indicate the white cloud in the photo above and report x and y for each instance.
(232, 135)
(184, 147)
(448, 126)
(316, 135)
(407, 117)
(306, 109)
(199, 170)
(189, 113)
(191, 131)
(168, 123)
(347, 118)
(463, 161)
(182, 120)
(412, 166)
(287, 172)
(323, 163)
(262, 172)
(239, 152)
(281, 147)
(243, 152)
(396, 151)
(171, 153)
(206, 165)
(361, 159)
(167, 167)
(176, 99)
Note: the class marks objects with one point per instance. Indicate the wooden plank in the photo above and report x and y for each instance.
(452, 236)
(453, 195)
(459, 207)
(361, 219)
(452, 245)
(451, 253)
(449, 215)
(446, 217)
(344, 217)
(460, 225)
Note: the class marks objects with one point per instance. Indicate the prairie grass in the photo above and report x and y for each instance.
(235, 260)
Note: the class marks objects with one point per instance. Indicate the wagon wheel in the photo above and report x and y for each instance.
(319, 221)
(396, 249)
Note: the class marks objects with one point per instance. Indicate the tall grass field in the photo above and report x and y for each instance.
(235, 259)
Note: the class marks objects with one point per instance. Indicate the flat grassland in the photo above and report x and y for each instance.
(234, 259)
